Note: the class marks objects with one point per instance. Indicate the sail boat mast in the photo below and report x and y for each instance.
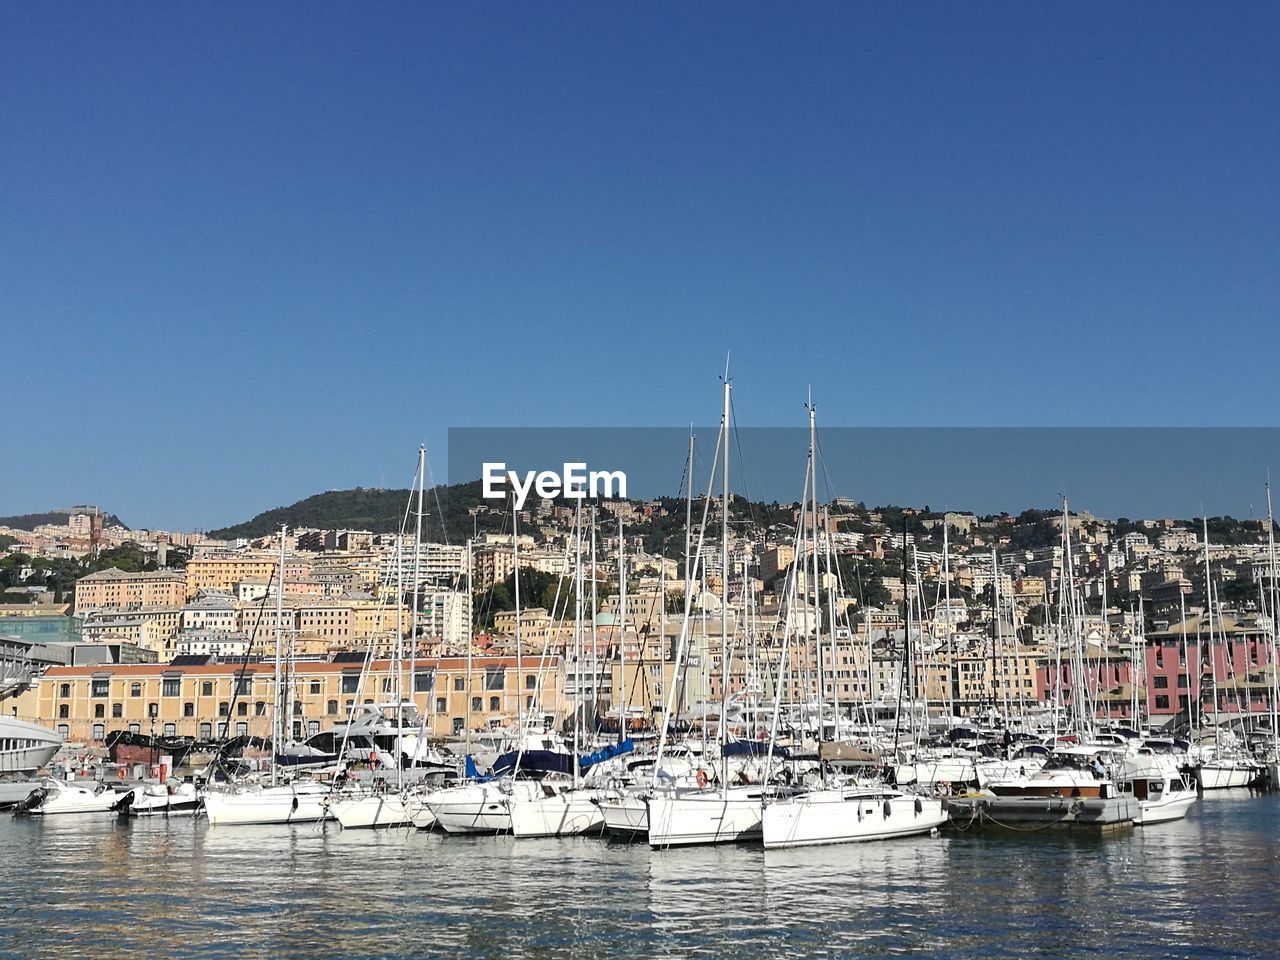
(277, 733)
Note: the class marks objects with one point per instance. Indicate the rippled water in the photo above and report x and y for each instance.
(97, 887)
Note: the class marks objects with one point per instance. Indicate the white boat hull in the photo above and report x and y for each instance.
(377, 810)
(711, 816)
(267, 805)
(626, 817)
(1172, 807)
(561, 815)
(848, 816)
(159, 802)
(950, 770)
(69, 798)
(478, 807)
(1224, 776)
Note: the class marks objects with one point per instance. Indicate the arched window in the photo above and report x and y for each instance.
(63, 711)
(224, 708)
(99, 711)
(135, 689)
(188, 709)
(493, 703)
(64, 690)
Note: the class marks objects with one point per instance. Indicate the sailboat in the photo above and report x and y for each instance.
(717, 811)
(299, 801)
(837, 813)
(564, 809)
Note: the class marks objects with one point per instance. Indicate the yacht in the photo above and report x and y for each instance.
(843, 815)
(1162, 796)
(26, 747)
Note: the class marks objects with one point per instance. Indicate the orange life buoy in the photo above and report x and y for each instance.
(120, 772)
(701, 777)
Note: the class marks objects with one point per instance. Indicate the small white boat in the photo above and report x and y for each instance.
(165, 799)
(1161, 796)
(479, 807)
(848, 815)
(290, 803)
(61, 796)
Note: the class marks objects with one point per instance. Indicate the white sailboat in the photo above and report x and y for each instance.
(275, 802)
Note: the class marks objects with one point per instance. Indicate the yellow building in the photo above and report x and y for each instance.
(87, 703)
(116, 590)
(222, 573)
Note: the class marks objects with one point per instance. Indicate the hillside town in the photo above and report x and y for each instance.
(186, 643)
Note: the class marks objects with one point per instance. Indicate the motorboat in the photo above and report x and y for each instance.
(1162, 796)
(53, 796)
(165, 799)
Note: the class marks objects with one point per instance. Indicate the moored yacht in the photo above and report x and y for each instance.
(848, 814)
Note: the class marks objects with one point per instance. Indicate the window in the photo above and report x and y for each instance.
(477, 704)
(244, 686)
(100, 688)
(331, 708)
(224, 709)
(386, 684)
(206, 688)
(64, 690)
(188, 709)
(135, 689)
(117, 711)
(63, 711)
(260, 708)
(170, 729)
(171, 687)
(64, 730)
(459, 683)
(1160, 683)
(423, 682)
(313, 727)
(440, 705)
(242, 709)
(459, 725)
(135, 728)
(531, 681)
(1182, 680)
(1162, 703)
(495, 678)
(315, 687)
(297, 708)
(242, 729)
(99, 731)
(1159, 656)
(206, 731)
(494, 703)
(99, 711)
(351, 683)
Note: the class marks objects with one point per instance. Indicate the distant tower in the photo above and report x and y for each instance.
(95, 532)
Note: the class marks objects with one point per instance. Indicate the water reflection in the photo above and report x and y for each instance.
(89, 886)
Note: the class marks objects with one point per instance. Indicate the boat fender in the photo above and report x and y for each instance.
(295, 804)
(946, 804)
(919, 806)
(701, 777)
(120, 772)
(888, 809)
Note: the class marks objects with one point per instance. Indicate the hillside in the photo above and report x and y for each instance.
(377, 510)
(29, 521)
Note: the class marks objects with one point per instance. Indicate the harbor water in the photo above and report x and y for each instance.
(90, 886)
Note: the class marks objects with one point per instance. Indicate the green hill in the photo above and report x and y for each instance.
(29, 521)
(378, 510)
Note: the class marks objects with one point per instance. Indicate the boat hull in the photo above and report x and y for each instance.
(561, 815)
(372, 811)
(268, 805)
(1224, 776)
(832, 816)
(704, 817)
(625, 817)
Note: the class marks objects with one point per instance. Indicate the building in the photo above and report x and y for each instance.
(114, 589)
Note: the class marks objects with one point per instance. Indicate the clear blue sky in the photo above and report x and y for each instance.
(252, 251)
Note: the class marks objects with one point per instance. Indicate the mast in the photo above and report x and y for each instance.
(515, 559)
(470, 638)
(724, 593)
(277, 734)
(622, 633)
(577, 646)
(1275, 673)
(417, 586)
(1208, 605)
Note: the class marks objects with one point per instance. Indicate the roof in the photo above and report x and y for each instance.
(302, 667)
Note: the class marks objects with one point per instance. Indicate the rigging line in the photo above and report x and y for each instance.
(244, 665)
(435, 491)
